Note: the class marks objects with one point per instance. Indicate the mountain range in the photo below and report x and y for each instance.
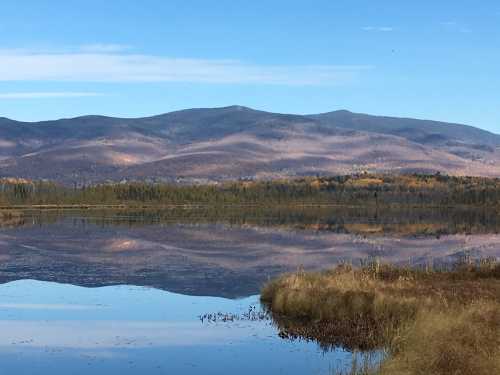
(214, 144)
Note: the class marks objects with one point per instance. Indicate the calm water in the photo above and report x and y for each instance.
(122, 292)
(50, 328)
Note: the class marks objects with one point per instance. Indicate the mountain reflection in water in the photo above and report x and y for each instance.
(153, 274)
(230, 253)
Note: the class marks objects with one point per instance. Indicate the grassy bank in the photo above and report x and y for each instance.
(427, 321)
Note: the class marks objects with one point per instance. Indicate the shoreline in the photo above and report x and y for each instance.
(242, 205)
(425, 320)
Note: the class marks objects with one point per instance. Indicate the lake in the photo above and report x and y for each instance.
(176, 291)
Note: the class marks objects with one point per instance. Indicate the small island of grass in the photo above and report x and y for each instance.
(424, 321)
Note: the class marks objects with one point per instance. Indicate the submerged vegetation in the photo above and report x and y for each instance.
(364, 189)
(426, 321)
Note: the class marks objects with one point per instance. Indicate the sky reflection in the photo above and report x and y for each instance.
(60, 329)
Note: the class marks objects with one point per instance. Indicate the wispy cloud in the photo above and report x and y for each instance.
(104, 48)
(98, 334)
(47, 306)
(112, 66)
(385, 29)
(47, 95)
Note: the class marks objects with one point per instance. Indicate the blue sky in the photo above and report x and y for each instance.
(426, 59)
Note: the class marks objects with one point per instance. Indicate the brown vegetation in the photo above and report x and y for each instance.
(428, 321)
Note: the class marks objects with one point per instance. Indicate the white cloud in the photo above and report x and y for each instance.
(22, 65)
(47, 95)
(378, 28)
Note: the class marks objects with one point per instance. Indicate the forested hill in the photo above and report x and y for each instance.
(220, 144)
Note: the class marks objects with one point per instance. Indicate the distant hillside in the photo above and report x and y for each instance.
(421, 131)
(239, 142)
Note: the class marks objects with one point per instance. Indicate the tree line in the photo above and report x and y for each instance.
(434, 190)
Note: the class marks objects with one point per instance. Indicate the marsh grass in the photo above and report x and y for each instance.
(428, 321)
(361, 364)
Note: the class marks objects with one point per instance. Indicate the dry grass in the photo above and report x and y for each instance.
(430, 322)
(461, 342)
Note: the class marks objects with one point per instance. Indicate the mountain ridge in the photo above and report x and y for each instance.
(240, 142)
(429, 125)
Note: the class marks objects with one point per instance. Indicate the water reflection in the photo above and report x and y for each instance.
(131, 329)
(231, 253)
(187, 263)
(228, 253)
